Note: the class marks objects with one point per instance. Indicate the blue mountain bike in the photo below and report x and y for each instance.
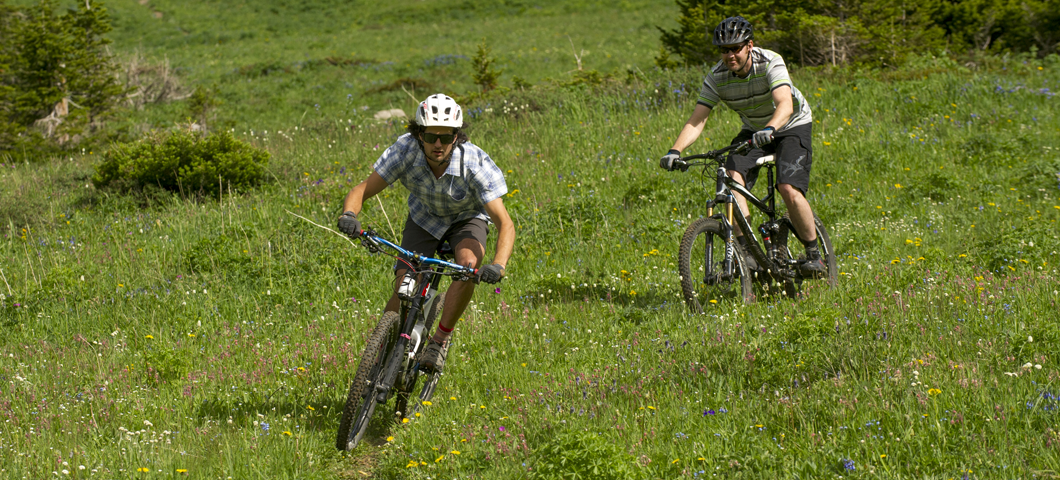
(389, 364)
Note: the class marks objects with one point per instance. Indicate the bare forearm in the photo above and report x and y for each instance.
(688, 135)
(781, 116)
(371, 186)
(505, 243)
(354, 201)
(693, 127)
(506, 230)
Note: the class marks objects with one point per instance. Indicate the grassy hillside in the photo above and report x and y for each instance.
(216, 337)
(272, 63)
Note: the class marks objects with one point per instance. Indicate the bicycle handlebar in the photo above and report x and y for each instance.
(715, 155)
(375, 243)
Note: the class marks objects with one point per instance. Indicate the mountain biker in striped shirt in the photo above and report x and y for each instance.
(754, 83)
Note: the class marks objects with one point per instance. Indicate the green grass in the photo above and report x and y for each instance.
(166, 336)
(274, 63)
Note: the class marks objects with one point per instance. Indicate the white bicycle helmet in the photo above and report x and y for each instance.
(439, 110)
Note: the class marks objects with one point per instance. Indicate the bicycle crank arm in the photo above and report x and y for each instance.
(785, 270)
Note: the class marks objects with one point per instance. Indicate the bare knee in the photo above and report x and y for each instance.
(469, 252)
(789, 193)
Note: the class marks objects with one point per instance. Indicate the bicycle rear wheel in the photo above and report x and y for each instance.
(701, 264)
(360, 404)
(430, 382)
(401, 406)
(791, 248)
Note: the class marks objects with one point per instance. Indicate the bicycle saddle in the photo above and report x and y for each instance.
(445, 251)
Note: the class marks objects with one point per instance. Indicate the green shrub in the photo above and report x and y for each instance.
(162, 363)
(184, 162)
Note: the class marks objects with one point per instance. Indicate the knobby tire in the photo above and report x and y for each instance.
(359, 407)
(694, 265)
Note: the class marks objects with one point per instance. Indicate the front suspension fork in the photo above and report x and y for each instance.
(393, 364)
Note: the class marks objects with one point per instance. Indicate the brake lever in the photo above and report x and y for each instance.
(473, 276)
(366, 242)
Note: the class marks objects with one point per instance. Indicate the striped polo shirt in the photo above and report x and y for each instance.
(752, 97)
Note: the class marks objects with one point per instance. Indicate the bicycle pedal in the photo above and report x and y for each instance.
(426, 370)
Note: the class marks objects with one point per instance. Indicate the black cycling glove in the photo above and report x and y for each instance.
(349, 224)
(492, 273)
(667, 161)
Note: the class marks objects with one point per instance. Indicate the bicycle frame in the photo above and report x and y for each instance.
(414, 324)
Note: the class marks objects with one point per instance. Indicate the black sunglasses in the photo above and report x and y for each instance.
(433, 137)
(732, 49)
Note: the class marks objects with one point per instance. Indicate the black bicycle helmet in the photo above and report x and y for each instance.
(733, 31)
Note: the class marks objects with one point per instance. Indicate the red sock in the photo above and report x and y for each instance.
(442, 334)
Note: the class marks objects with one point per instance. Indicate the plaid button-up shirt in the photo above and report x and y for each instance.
(470, 182)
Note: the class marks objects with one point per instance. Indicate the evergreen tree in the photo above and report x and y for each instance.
(484, 72)
(58, 80)
(873, 32)
(1042, 23)
(899, 28)
(9, 130)
(691, 39)
(1002, 25)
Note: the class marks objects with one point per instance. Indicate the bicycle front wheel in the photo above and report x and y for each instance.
(705, 271)
(359, 402)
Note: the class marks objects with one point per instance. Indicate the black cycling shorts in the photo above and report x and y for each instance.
(794, 155)
(416, 239)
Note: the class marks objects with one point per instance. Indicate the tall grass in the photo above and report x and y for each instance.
(215, 337)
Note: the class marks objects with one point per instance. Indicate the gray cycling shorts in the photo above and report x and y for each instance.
(416, 239)
(794, 155)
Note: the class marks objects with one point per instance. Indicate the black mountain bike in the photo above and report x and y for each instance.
(710, 261)
(389, 364)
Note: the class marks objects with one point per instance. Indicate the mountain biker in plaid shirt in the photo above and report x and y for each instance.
(455, 191)
(754, 82)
